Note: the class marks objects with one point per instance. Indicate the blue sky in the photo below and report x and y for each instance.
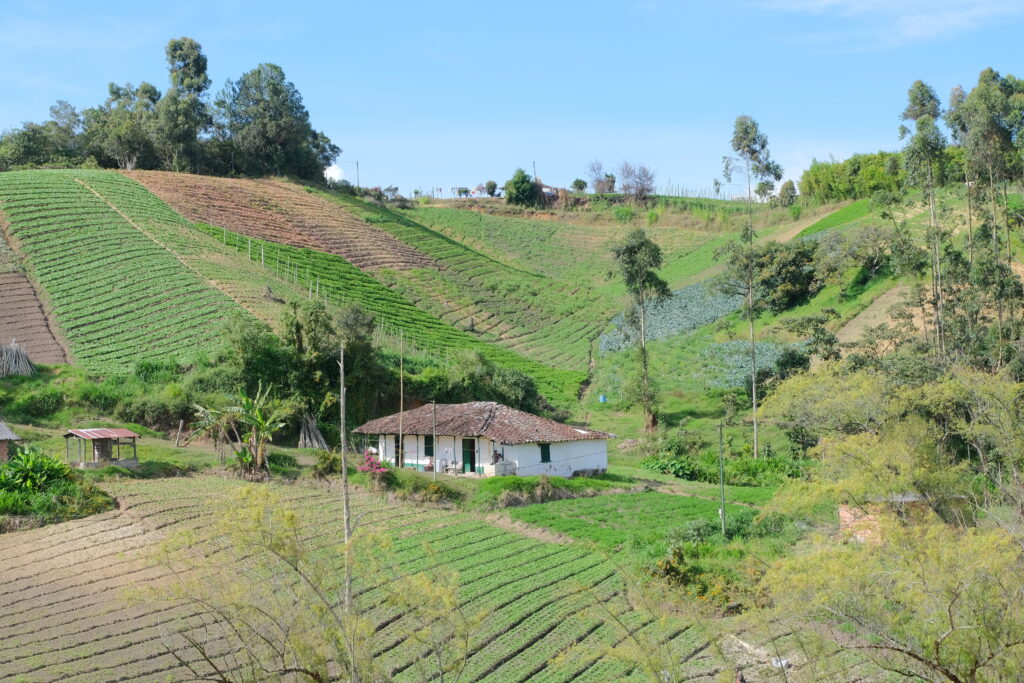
(455, 93)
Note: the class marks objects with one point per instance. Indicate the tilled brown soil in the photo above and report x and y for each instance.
(22, 318)
(280, 212)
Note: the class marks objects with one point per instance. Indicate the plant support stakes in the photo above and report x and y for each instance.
(14, 361)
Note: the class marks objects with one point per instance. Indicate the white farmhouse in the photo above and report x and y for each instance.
(487, 439)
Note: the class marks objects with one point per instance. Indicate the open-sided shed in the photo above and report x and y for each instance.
(104, 444)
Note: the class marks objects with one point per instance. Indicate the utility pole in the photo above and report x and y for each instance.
(433, 437)
(341, 432)
(535, 171)
(400, 460)
(721, 473)
(357, 174)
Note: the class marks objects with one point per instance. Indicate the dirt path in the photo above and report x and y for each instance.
(875, 314)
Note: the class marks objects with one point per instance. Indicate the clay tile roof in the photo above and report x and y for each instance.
(491, 420)
(6, 434)
(101, 433)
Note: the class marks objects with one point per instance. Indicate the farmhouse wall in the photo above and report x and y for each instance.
(3, 451)
(566, 457)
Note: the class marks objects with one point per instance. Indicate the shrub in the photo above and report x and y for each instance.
(768, 470)
(327, 463)
(624, 214)
(652, 217)
(40, 403)
(30, 469)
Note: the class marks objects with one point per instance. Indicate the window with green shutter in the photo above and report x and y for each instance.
(545, 452)
(428, 445)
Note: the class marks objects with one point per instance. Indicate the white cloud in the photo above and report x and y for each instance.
(893, 23)
(334, 173)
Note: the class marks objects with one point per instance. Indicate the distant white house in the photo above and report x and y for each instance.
(487, 439)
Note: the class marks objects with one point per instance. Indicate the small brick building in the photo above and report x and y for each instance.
(7, 439)
(862, 523)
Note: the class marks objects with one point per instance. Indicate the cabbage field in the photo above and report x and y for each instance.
(684, 311)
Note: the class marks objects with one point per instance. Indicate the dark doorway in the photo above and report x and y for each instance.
(469, 455)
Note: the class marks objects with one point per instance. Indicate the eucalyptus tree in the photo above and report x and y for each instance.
(922, 154)
(637, 259)
(753, 161)
(986, 109)
(956, 121)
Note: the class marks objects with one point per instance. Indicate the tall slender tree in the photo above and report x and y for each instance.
(754, 162)
(638, 258)
(922, 154)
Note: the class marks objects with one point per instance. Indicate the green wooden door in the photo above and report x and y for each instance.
(469, 455)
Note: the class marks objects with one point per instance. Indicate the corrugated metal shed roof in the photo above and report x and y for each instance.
(491, 420)
(101, 433)
(6, 434)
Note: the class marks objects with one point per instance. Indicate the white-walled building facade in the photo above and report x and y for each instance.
(486, 439)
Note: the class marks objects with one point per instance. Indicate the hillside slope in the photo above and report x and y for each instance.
(279, 211)
(67, 615)
(117, 293)
(543, 317)
(129, 278)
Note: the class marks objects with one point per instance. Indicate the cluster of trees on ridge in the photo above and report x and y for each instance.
(256, 125)
(986, 125)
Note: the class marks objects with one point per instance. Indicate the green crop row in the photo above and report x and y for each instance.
(121, 295)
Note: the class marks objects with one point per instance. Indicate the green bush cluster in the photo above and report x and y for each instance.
(33, 484)
(767, 470)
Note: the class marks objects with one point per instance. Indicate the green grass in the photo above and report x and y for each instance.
(751, 495)
(849, 213)
(632, 522)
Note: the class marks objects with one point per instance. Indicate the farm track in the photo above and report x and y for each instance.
(66, 615)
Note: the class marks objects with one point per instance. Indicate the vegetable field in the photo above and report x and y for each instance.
(22, 318)
(66, 616)
(507, 300)
(686, 310)
(339, 282)
(118, 295)
(281, 212)
(129, 278)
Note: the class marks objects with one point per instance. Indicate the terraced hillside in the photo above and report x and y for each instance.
(117, 293)
(278, 211)
(542, 317)
(66, 617)
(129, 278)
(549, 318)
(22, 317)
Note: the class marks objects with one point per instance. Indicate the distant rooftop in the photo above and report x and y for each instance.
(101, 433)
(6, 434)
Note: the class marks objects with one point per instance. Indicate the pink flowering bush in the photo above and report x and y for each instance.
(381, 475)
